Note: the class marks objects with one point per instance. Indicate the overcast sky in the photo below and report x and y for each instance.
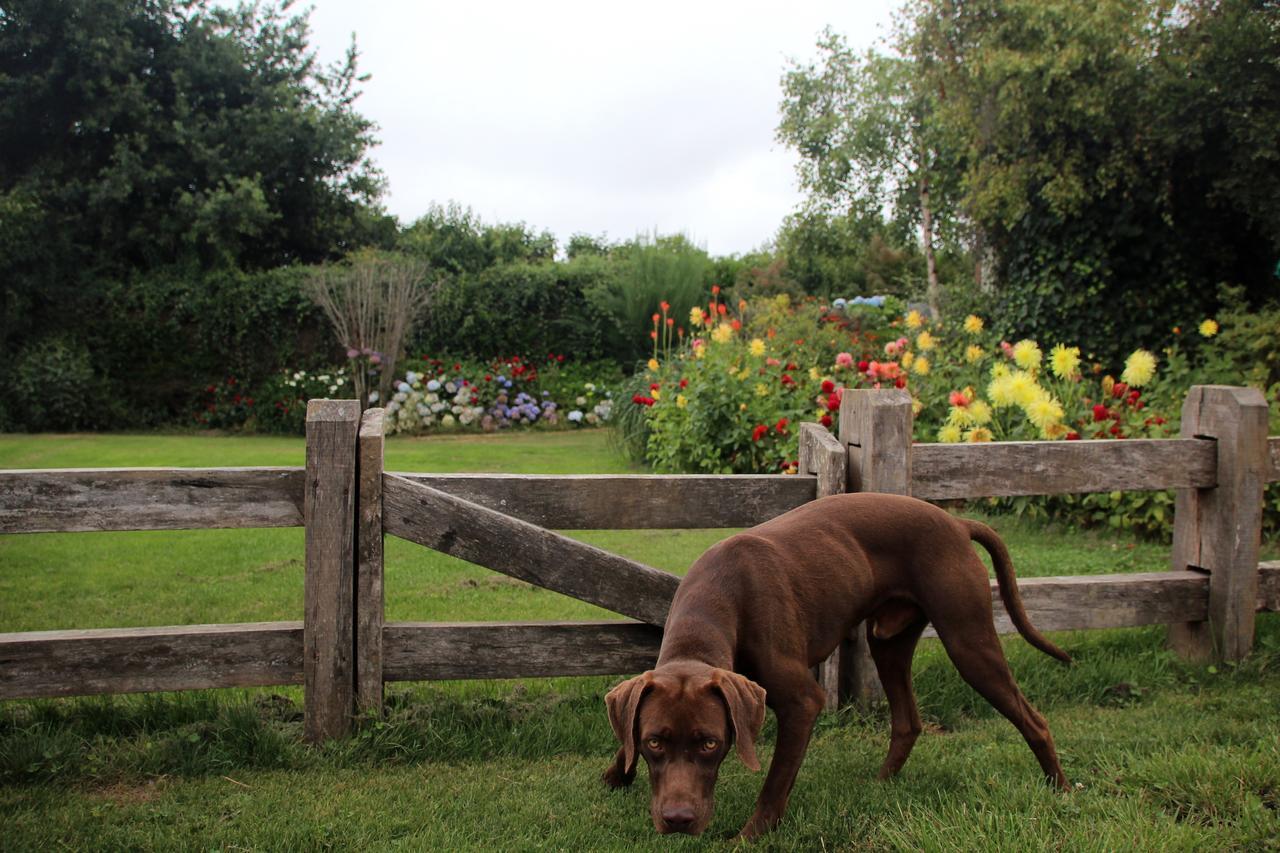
(590, 117)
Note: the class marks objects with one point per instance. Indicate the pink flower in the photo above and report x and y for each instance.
(844, 360)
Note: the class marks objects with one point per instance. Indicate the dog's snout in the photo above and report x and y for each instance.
(678, 818)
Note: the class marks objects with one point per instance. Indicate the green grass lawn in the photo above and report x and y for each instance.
(1168, 755)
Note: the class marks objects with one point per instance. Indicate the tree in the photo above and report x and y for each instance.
(862, 127)
(167, 134)
(1120, 157)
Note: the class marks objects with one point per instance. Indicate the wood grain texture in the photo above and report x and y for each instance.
(1273, 453)
(823, 456)
(329, 508)
(131, 660)
(522, 550)
(1219, 529)
(626, 502)
(370, 600)
(1269, 586)
(1006, 468)
(1086, 602)
(90, 499)
(875, 426)
(431, 651)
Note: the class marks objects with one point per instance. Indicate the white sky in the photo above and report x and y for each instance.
(589, 117)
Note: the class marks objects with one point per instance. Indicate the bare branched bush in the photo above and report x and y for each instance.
(372, 300)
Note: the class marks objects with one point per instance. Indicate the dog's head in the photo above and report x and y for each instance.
(683, 718)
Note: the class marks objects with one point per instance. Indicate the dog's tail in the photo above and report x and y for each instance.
(1008, 584)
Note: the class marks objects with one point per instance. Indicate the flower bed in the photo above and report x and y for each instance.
(729, 399)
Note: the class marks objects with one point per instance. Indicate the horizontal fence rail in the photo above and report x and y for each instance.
(91, 499)
(421, 651)
(134, 660)
(629, 501)
(1008, 468)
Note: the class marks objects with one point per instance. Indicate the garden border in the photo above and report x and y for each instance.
(343, 651)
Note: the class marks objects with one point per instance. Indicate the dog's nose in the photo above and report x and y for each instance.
(678, 818)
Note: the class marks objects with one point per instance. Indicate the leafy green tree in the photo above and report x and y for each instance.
(863, 127)
(153, 144)
(1120, 157)
(452, 238)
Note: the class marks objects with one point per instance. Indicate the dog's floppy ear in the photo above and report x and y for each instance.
(745, 699)
(623, 703)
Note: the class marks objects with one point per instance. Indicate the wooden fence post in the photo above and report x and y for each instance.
(875, 426)
(329, 513)
(1218, 530)
(370, 598)
(823, 456)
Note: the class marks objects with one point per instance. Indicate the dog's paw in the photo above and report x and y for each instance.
(615, 778)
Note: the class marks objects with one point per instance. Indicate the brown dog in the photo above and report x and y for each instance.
(761, 608)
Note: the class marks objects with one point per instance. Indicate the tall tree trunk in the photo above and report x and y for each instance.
(934, 293)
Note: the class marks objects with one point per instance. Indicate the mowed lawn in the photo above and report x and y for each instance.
(1165, 755)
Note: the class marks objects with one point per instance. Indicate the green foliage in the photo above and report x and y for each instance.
(521, 307)
(1114, 156)
(650, 270)
(54, 388)
(453, 239)
(854, 254)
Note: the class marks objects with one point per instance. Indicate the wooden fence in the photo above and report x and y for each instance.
(343, 651)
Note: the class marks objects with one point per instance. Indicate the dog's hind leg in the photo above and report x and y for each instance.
(892, 656)
(976, 652)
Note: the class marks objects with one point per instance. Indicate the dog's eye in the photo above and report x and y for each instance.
(653, 743)
(710, 744)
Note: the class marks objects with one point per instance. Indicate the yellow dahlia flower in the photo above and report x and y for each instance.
(914, 320)
(1064, 361)
(757, 347)
(925, 341)
(1139, 369)
(722, 333)
(973, 324)
(949, 434)
(681, 400)
(1209, 328)
(979, 412)
(920, 366)
(978, 434)
(653, 364)
(1026, 354)
(1044, 410)
(972, 353)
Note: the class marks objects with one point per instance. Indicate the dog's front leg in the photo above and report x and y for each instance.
(797, 711)
(616, 775)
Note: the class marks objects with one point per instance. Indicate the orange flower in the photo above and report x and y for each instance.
(665, 306)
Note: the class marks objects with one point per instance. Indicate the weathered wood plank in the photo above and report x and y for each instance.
(370, 597)
(823, 456)
(329, 509)
(625, 502)
(875, 427)
(131, 660)
(522, 550)
(88, 499)
(431, 651)
(1006, 468)
(1273, 453)
(1269, 586)
(1219, 529)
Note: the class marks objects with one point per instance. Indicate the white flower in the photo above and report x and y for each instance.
(447, 420)
(433, 385)
(411, 377)
(581, 401)
(404, 388)
(324, 377)
(590, 386)
(423, 410)
(593, 418)
(401, 397)
(341, 380)
(393, 407)
(575, 416)
(373, 396)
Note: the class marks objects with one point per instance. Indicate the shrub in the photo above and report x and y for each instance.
(54, 387)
